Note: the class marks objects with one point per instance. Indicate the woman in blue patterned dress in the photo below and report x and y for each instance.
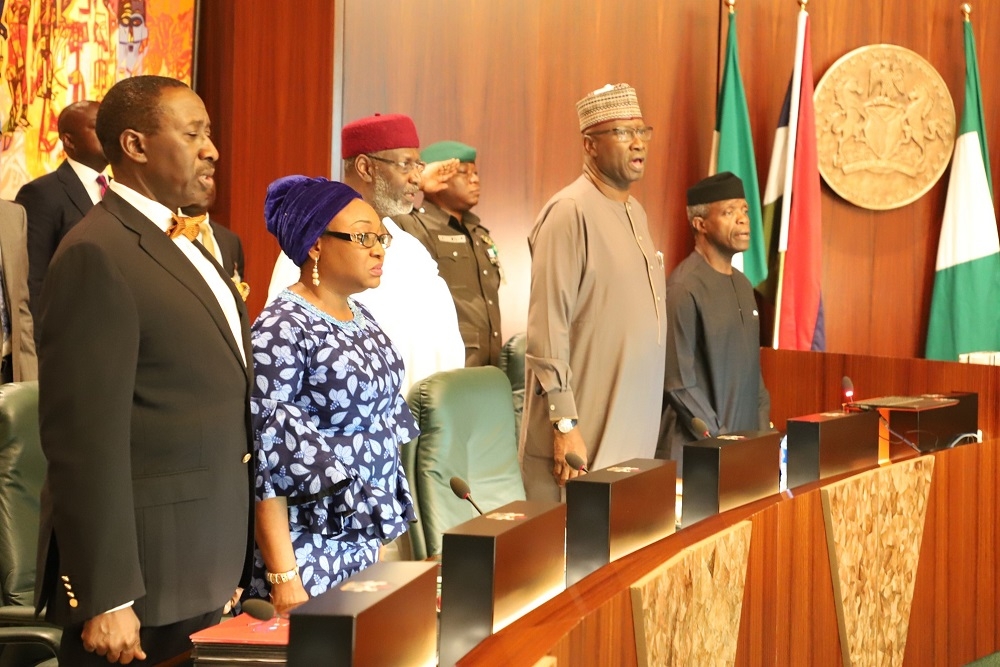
(328, 417)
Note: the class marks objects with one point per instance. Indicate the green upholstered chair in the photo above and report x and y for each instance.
(466, 423)
(512, 363)
(24, 639)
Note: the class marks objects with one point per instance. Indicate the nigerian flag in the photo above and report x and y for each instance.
(732, 150)
(965, 306)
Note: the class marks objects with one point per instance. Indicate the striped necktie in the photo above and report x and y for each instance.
(102, 183)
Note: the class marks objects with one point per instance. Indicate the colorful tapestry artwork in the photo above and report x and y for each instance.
(56, 52)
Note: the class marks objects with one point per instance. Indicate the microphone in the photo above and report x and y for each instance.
(847, 389)
(576, 462)
(461, 489)
(262, 610)
(701, 428)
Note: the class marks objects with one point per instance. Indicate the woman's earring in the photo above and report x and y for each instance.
(316, 271)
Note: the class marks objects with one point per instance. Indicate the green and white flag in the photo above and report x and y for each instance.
(965, 306)
(732, 150)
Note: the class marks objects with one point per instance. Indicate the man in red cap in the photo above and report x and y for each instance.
(413, 304)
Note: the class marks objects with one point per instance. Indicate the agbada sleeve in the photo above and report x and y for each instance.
(680, 384)
(558, 259)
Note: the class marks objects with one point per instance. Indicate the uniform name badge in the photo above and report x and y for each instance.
(457, 238)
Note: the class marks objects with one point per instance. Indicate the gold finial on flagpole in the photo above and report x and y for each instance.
(802, 4)
(966, 10)
(732, 6)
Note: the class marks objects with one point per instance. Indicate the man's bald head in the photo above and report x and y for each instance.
(77, 130)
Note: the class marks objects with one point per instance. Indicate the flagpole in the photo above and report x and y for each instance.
(793, 131)
(713, 160)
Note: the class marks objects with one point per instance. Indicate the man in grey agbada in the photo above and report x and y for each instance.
(596, 319)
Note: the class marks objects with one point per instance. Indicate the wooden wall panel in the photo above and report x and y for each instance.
(957, 569)
(505, 76)
(265, 71)
(803, 383)
(789, 616)
(878, 266)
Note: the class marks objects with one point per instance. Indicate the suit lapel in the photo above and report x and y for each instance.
(241, 308)
(74, 188)
(164, 252)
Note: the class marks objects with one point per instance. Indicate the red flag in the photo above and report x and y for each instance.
(799, 308)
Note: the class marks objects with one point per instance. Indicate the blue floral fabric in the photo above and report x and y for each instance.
(328, 422)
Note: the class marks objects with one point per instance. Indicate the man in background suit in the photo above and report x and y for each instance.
(144, 387)
(229, 249)
(19, 362)
(57, 201)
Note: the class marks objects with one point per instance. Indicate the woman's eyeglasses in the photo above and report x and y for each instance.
(366, 239)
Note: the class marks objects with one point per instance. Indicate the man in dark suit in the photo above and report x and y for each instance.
(57, 201)
(144, 386)
(19, 362)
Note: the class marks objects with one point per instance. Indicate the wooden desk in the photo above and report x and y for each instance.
(788, 614)
(817, 376)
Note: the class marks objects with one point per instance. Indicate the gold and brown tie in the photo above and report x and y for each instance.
(189, 227)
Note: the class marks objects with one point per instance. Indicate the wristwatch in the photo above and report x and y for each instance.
(564, 425)
(281, 577)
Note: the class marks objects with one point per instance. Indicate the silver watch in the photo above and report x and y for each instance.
(564, 425)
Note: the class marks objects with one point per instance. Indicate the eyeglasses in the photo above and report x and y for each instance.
(366, 239)
(404, 166)
(626, 134)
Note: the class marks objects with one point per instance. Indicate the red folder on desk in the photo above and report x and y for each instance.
(243, 638)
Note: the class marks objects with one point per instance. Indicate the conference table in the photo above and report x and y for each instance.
(890, 564)
(785, 610)
(927, 601)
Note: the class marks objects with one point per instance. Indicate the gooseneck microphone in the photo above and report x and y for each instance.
(461, 489)
(701, 428)
(262, 610)
(847, 389)
(576, 462)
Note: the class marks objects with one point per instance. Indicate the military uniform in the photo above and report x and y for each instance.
(468, 261)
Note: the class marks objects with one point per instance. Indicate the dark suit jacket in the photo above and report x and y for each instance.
(55, 203)
(144, 414)
(15, 275)
(230, 247)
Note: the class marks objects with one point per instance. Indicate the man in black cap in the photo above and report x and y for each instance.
(713, 333)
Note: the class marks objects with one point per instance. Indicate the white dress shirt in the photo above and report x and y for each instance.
(88, 177)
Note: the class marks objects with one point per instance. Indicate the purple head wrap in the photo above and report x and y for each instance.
(297, 210)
